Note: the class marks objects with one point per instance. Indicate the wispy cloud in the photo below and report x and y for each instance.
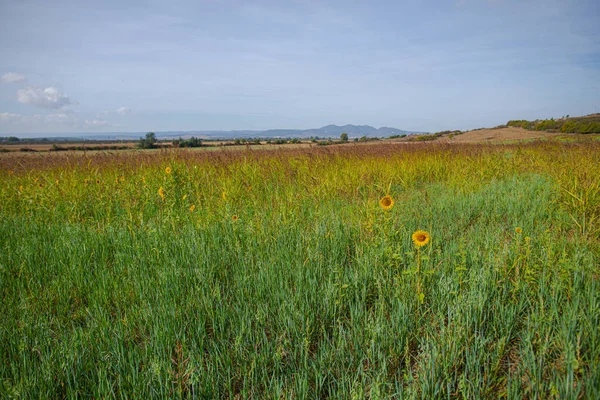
(53, 121)
(12, 77)
(50, 97)
(123, 110)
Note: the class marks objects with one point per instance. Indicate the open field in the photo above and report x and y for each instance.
(48, 147)
(498, 135)
(75, 147)
(278, 273)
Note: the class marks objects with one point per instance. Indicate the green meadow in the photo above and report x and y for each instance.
(273, 274)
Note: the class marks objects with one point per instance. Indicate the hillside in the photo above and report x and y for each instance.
(497, 135)
(586, 124)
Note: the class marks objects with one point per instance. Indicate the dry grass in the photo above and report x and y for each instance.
(498, 135)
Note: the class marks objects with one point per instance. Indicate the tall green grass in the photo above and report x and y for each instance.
(110, 291)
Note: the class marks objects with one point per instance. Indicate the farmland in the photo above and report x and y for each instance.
(288, 273)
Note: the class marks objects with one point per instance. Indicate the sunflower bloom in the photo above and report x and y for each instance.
(386, 202)
(168, 170)
(420, 238)
(234, 218)
(518, 230)
(192, 207)
(161, 193)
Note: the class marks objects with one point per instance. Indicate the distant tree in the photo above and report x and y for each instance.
(149, 142)
(344, 137)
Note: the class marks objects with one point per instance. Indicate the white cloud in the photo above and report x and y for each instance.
(12, 77)
(45, 98)
(9, 117)
(95, 123)
(123, 110)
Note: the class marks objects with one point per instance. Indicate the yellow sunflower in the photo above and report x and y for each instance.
(518, 230)
(420, 238)
(168, 170)
(192, 207)
(161, 193)
(234, 218)
(386, 202)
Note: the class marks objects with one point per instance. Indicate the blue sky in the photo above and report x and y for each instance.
(79, 66)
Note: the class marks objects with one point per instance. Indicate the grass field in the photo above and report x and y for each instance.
(278, 274)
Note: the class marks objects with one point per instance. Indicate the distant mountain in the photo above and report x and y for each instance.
(335, 131)
(329, 131)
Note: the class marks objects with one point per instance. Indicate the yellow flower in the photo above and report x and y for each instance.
(161, 193)
(420, 238)
(386, 202)
(122, 179)
(168, 170)
(223, 195)
(234, 218)
(21, 188)
(97, 181)
(518, 230)
(184, 197)
(192, 207)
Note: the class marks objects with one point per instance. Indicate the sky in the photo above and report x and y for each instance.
(138, 66)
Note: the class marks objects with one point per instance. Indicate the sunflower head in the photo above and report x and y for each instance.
(192, 207)
(97, 181)
(518, 230)
(168, 170)
(161, 193)
(234, 218)
(420, 238)
(386, 202)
